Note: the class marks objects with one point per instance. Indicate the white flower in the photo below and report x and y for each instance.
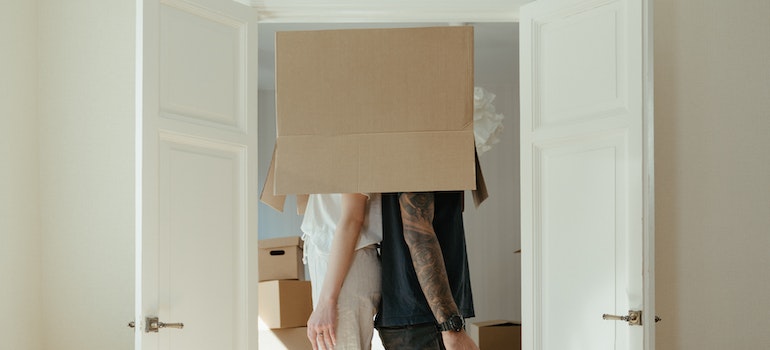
(487, 123)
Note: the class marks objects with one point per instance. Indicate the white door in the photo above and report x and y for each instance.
(197, 204)
(585, 174)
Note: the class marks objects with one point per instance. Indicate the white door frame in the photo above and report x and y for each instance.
(299, 12)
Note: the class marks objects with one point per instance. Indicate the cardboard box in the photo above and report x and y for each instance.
(285, 303)
(496, 335)
(281, 259)
(284, 339)
(373, 110)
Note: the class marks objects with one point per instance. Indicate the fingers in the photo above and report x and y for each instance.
(332, 336)
(311, 335)
(322, 339)
(326, 340)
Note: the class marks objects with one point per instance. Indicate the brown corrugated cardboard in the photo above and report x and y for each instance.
(268, 195)
(285, 303)
(281, 259)
(480, 193)
(276, 201)
(374, 110)
(496, 335)
(284, 339)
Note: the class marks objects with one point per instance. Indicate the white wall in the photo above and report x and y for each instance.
(712, 158)
(86, 115)
(20, 269)
(493, 230)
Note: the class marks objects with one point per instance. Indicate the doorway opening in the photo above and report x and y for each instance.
(493, 229)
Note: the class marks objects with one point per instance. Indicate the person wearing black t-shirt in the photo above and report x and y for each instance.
(426, 291)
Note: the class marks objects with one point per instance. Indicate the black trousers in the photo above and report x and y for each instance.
(416, 337)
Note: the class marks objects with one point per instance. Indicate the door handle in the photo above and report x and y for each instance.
(634, 318)
(154, 325)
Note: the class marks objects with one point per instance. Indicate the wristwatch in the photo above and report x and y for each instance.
(454, 323)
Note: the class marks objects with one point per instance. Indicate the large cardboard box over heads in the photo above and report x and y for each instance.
(373, 110)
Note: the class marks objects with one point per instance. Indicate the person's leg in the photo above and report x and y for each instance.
(358, 300)
(418, 337)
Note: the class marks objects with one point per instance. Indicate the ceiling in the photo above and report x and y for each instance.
(314, 11)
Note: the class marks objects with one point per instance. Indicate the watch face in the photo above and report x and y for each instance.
(453, 323)
(456, 322)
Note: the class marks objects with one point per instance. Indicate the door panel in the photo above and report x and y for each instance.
(202, 244)
(582, 173)
(580, 205)
(198, 186)
(587, 46)
(203, 75)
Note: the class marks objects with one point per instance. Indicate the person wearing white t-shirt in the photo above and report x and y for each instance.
(341, 233)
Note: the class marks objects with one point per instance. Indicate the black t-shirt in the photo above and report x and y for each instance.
(403, 302)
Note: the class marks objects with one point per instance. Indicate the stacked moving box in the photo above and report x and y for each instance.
(285, 300)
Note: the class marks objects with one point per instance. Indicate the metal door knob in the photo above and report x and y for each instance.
(154, 325)
(634, 318)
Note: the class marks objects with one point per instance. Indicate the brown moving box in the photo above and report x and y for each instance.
(284, 339)
(496, 335)
(285, 303)
(373, 110)
(281, 259)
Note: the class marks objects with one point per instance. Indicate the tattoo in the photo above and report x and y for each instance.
(417, 211)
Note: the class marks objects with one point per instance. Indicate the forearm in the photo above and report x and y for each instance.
(417, 216)
(344, 244)
(340, 259)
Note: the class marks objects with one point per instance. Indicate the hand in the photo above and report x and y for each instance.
(458, 341)
(321, 326)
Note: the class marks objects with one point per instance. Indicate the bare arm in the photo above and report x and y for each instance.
(323, 320)
(417, 211)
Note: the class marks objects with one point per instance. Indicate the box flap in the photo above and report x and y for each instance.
(276, 201)
(268, 195)
(480, 193)
(374, 110)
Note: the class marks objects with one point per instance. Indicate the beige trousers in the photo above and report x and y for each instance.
(359, 296)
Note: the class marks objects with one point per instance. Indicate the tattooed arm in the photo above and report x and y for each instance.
(417, 211)
(417, 216)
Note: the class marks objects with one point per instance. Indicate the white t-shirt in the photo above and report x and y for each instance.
(323, 212)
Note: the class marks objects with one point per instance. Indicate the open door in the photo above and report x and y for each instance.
(586, 175)
(197, 186)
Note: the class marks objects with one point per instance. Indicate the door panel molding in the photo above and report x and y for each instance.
(560, 100)
(203, 205)
(202, 80)
(567, 171)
